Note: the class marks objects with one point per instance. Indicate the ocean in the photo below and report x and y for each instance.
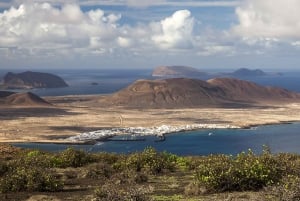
(104, 81)
(279, 138)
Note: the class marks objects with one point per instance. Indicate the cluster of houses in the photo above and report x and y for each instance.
(159, 131)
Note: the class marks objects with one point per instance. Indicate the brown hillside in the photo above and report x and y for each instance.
(249, 91)
(168, 93)
(24, 99)
(189, 93)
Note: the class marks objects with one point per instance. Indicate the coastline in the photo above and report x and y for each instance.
(104, 138)
(102, 135)
(73, 117)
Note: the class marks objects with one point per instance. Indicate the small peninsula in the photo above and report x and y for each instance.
(29, 80)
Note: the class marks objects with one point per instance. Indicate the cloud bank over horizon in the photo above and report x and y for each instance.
(40, 32)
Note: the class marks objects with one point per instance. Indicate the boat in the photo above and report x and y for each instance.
(161, 138)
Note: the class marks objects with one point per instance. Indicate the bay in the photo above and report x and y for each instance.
(280, 138)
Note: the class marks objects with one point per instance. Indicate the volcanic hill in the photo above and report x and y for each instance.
(21, 99)
(191, 93)
(27, 80)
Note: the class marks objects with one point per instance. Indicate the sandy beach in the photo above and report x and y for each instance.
(72, 115)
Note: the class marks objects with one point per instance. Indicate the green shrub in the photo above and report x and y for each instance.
(247, 171)
(29, 179)
(99, 171)
(32, 159)
(140, 177)
(212, 172)
(151, 160)
(193, 189)
(171, 161)
(109, 158)
(3, 168)
(287, 190)
(290, 163)
(71, 158)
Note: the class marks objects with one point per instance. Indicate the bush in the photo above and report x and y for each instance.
(290, 163)
(32, 159)
(109, 158)
(287, 190)
(3, 168)
(112, 191)
(99, 171)
(245, 172)
(71, 158)
(29, 179)
(140, 178)
(151, 160)
(193, 189)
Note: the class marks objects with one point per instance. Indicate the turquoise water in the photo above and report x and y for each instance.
(280, 138)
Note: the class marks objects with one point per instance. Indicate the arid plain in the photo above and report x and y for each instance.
(71, 115)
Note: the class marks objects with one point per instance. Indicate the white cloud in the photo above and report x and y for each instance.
(124, 42)
(144, 3)
(296, 43)
(175, 31)
(203, 3)
(42, 26)
(268, 19)
(133, 3)
(216, 49)
(40, 30)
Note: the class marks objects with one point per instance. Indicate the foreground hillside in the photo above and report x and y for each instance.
(191, 93)
(149, 175)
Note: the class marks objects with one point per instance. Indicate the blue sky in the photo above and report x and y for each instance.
(144, 34)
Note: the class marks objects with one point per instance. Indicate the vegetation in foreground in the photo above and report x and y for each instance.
(148, 175)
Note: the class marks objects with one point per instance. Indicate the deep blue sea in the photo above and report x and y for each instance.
(280, 138)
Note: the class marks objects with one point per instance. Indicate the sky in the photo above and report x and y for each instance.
(206, 34)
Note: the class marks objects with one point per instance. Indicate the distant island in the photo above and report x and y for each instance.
(177, 71)
(189, 72)
(29, 80)
(245, 72)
